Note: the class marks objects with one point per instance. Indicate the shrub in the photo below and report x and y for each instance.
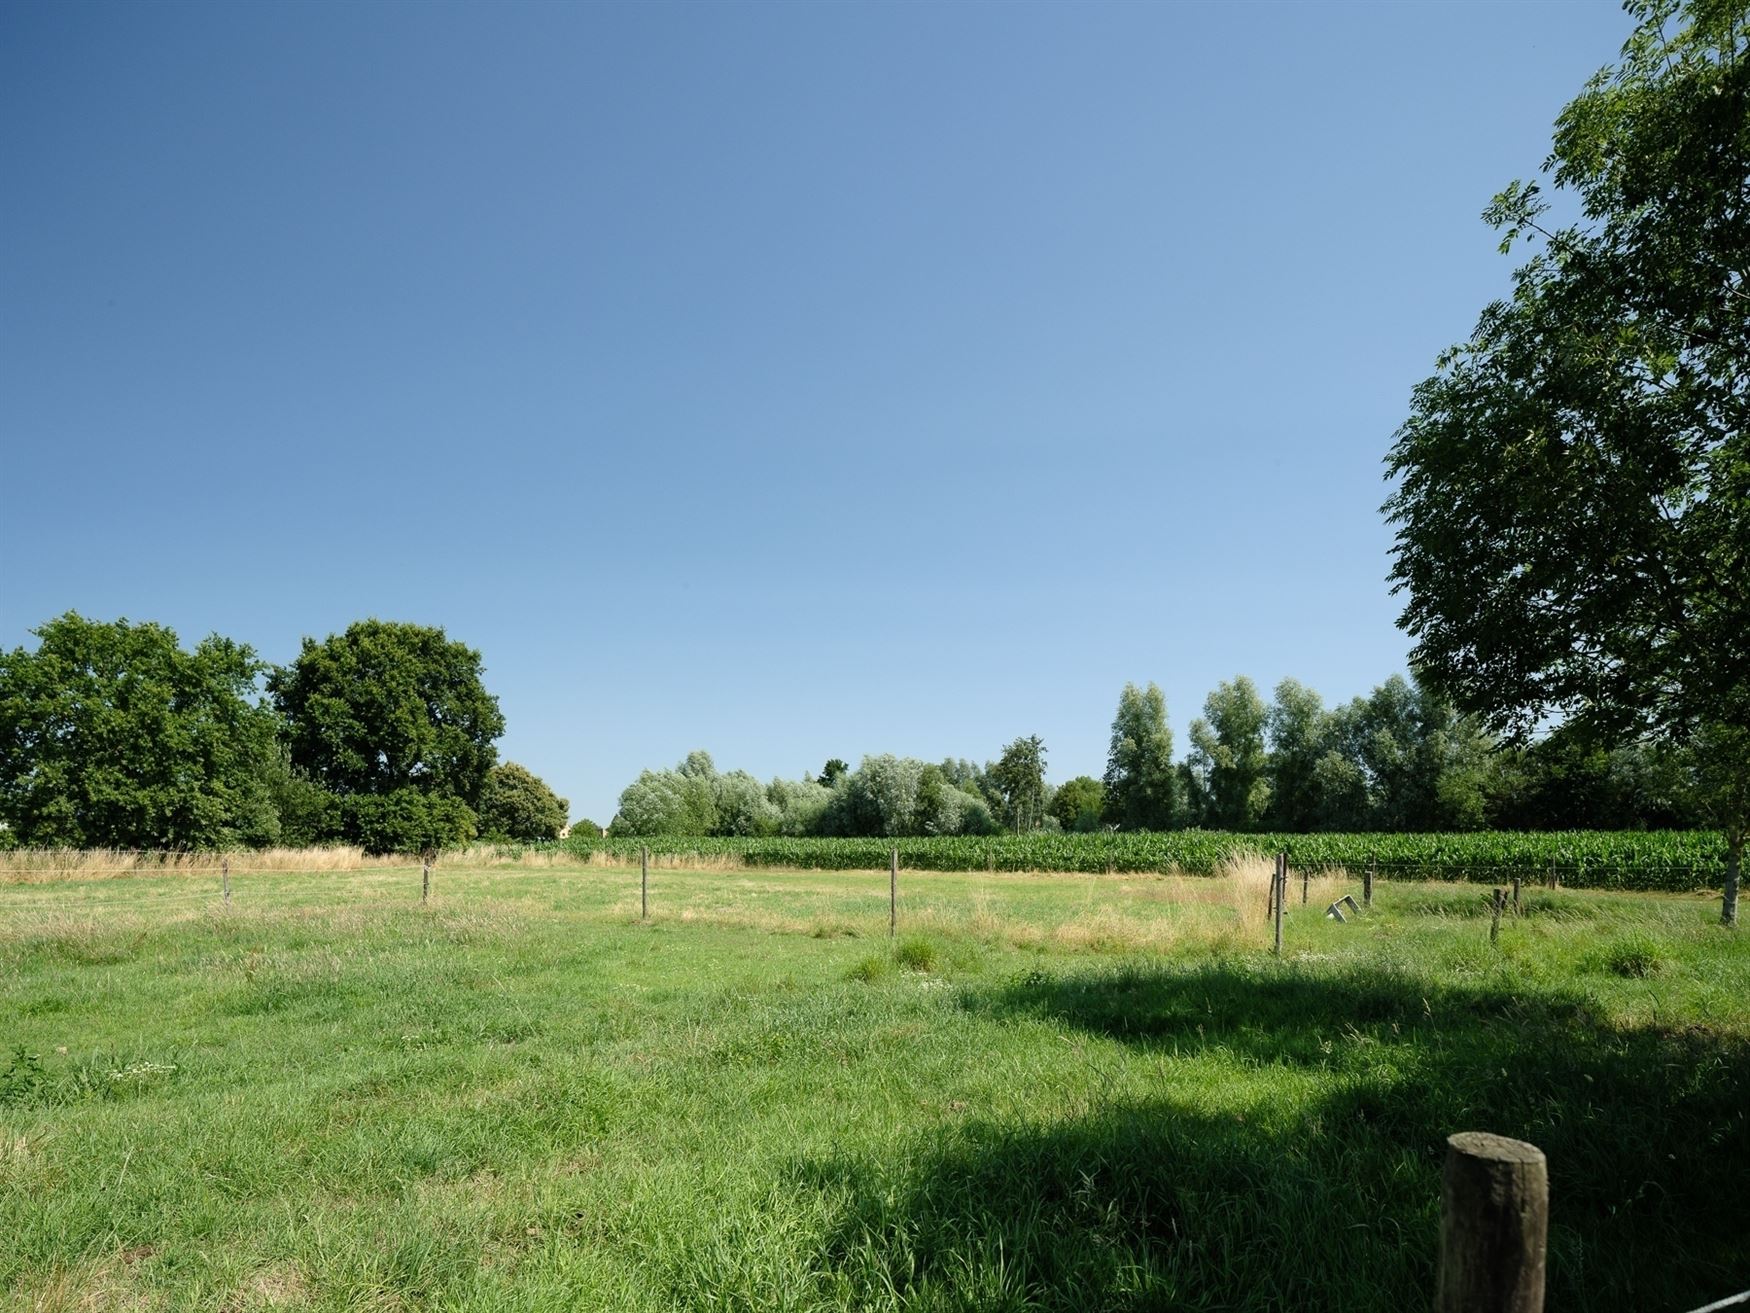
(406, 821)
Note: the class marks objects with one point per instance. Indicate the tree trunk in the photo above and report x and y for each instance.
(1734, 864)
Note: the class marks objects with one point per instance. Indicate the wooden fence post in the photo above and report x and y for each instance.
(425, 880)
(1515, 895)
(893, 895)
(1367, 883)
(643, 882)
(1305, 879)
(1494, 1225)
(1279, 878)
(1499, 900)
(225, 878)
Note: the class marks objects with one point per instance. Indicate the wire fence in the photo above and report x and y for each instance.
(1142, 910)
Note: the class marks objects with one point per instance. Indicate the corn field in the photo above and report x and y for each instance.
(1670, 861)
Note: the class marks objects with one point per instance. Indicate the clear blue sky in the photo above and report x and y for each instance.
(788, 380)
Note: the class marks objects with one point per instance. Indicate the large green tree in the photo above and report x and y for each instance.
(1229, 766)
(743, 809)
(387, 706)
(111, 735)
(395, 721)
(1079, 804)
(679, 801)
(1424, 766)
(1019, 775)
(1141, 783)
(1299, 729)
(799, 803)
(517, 804)
(1573, 505)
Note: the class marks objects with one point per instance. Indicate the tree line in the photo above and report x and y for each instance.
(112, 735)
(1400, 759)
(884, 795)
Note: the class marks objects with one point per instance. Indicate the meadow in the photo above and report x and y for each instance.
(1050, 1092)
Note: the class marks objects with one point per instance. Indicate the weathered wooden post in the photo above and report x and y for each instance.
(1515, 895)
(643, 882)
(1305, 879)
(425, 880)
(225, 879)
(1499, 900)
(1279, 878)
(1367, 883)
(893, 895)
(1494, 1225)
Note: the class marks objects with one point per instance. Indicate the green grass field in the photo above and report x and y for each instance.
(1063, 1092)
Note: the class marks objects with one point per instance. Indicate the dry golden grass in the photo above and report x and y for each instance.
(1108, 914)
(276, 1287)
(109, 1285)
(661, 861)
(40, 865)
(104, 1286)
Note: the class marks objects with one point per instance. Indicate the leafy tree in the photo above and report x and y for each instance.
(1141, 784)
(584, 828)
(1392, 740)
(406, 821)
(1340, 789)
(1422, 766)
(975, 815)
(834, 768)
(1573, 512)
(742, 806)
(890, 796)
(698, 766)
(972, 778)
(112, 736)
(308, 814)
(1566, 781)
(1019, 775)
(386, 707)
(679, 801)
(933, 809)
(1078, 803)
(1228, 758)
(800, 805)
(1298, 728)
(880, 797)
(944, 808)
(517, 804)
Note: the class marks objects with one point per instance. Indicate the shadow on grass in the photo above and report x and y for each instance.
(1327, 1195)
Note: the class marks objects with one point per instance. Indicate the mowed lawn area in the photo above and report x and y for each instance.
(1055, 1092)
